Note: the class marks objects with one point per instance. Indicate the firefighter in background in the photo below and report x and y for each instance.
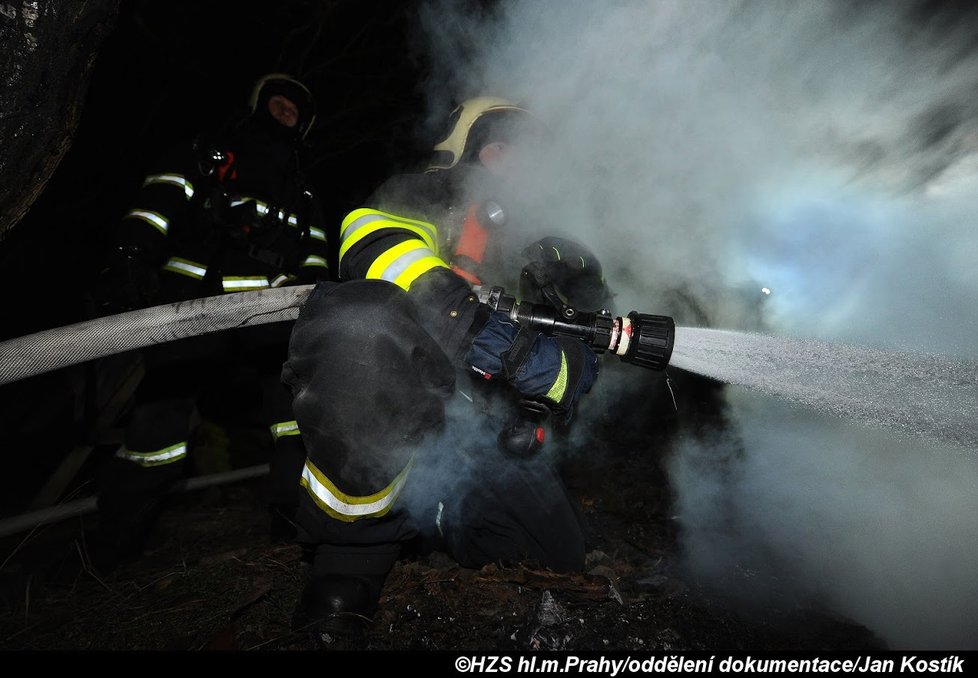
(220, 216)
(402, 444)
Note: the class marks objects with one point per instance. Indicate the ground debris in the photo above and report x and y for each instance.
(578, 586)
(215, 582)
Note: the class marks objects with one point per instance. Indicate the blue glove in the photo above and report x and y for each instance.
(556, 371)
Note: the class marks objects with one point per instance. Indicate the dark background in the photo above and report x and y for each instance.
(169, 71)
(165, 73)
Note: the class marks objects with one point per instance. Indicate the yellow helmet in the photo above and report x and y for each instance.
(451, 150)
(281, 83)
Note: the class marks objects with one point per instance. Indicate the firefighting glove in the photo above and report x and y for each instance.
(560, 271)
(556, 371)
(129, 281)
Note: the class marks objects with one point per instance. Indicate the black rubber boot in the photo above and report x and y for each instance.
(338, 605)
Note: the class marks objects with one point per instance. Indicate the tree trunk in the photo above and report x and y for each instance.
(47, 49)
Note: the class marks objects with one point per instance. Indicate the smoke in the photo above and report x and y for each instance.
(825, 152)
(820, 514)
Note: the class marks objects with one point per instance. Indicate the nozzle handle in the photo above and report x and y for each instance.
(525, 437)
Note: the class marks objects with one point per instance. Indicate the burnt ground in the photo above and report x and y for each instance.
(211, 579)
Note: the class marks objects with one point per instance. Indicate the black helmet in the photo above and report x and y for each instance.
(285, 85)
(561, 271)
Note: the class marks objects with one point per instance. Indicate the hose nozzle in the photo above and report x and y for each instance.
(646, 340)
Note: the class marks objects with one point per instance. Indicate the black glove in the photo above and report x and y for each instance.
(567, 269)
(129, 281)
(556, 371)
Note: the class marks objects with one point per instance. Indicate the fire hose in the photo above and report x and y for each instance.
(53, 349)
(638, 338)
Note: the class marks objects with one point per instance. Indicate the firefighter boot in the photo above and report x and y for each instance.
(338, 605)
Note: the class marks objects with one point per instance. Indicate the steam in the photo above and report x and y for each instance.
(822, 151)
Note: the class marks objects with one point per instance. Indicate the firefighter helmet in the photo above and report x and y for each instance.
(269, 85)
(465, 122)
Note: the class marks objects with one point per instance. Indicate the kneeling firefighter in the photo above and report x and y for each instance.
(395, 374)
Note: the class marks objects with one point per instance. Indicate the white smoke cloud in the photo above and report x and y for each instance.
(826, 151)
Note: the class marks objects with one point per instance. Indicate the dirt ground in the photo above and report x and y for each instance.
(212, 580)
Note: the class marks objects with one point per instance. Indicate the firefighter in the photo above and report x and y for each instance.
(391, 371)
(221, 215)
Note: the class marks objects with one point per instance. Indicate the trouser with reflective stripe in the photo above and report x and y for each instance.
(183, 377)
(479, 507)
(132, 484)
(285, 466)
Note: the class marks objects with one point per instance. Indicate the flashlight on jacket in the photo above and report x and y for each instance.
(638, 338)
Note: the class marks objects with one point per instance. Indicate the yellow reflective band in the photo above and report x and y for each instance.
(365, 215)
(167, 455)
(185, 267)
(364, 231)
(260, 207)
(233, 283)
(347, 508)
(173, 179)
(281, 279)
(557, 252)
(284, 428)
(416, 270)
(556, 391)
(154, 219)
(370, 221)
(384, 261)
(317, 233)
(315, 260)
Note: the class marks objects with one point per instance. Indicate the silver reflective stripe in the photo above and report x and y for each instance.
(174, 180)
(314, 260)
(317, 233)
(186, 267)
(293, 220)
(167, 455)
(399, 265)
(260, 207)
(284, 428)
(360, 222)
(238, 283)
(154, 219)
(330, 497)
